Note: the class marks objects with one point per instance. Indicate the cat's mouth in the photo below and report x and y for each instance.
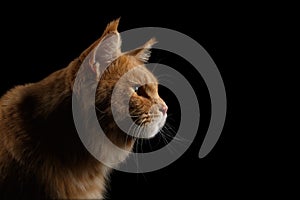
(149, 124)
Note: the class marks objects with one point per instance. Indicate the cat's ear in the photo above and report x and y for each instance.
(143, 53)
(107, 50)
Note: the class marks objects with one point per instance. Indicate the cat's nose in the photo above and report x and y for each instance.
(163, 109)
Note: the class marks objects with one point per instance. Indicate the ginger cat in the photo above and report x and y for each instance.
(41, 154)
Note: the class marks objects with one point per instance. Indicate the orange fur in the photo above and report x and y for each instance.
(41, 155)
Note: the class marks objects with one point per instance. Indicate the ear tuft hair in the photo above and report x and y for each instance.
(143, 53)
(111, 27)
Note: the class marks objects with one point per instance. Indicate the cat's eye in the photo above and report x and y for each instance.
(136, 88)
(140, 90)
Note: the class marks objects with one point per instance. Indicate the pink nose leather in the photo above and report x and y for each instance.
(164, 109)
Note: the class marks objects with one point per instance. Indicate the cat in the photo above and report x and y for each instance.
(41, 154)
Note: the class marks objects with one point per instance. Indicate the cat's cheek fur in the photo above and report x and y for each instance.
(154, 127)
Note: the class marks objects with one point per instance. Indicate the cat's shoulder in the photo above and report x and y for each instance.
(16, 95)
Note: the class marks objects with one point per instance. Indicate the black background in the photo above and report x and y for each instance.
(37, 41)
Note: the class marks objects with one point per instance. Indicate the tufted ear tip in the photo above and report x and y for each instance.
(143, 53)
(150, 43)
(112, 27)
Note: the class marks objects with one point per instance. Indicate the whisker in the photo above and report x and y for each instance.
(170, 149)
(149, 144)
(155, 66)
(135, 131)
(162, 136)
(133, 82)
(103, 112)
(171, 133)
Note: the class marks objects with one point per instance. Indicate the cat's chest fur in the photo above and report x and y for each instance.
(85, 184)
(42, 155)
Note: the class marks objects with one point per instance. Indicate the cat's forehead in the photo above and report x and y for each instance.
(143, 75)
(134, 71)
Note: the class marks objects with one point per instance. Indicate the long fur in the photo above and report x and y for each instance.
(41, 155)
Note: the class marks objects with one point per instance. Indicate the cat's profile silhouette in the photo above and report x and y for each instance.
(41, 155)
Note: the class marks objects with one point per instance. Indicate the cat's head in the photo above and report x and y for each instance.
(122, 77)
